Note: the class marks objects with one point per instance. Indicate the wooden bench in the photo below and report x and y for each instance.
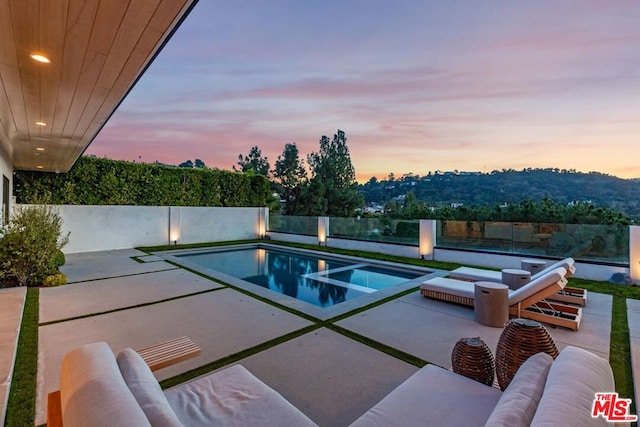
(157, 357)
(169, 353)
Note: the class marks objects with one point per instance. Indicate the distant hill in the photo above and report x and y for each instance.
(509, 186)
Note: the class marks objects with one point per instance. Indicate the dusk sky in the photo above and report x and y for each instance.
(417, 86)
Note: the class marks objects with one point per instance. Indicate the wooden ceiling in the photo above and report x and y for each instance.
(98, 49)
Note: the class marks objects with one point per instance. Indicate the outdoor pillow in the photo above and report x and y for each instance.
(519, 401)
(146, 389)
(92, 391)
(575, 377)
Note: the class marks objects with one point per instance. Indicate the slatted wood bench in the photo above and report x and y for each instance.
(157, 356)
(169, 353)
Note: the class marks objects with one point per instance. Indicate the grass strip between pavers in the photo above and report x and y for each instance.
(398, 354)
(122, 275)
(21, 408)
(620, 350)
(145, 304)
(205, 369)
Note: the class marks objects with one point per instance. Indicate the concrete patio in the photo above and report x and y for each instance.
(329, 376)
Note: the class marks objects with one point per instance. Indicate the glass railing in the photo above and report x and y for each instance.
(599, 243)
(307, 225)
(375, 229)
(603, 243)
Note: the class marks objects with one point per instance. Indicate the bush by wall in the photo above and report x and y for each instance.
(94, 181)
(30, 244)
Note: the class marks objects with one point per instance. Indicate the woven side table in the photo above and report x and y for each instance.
(472, 358)
(521, 339)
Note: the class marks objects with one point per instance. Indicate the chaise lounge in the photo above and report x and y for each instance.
(527, 302)
(567, 295)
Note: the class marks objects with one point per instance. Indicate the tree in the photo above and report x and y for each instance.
(333, 189)
(186, 164)
(253, 162)
(289, 174)
(199, 164)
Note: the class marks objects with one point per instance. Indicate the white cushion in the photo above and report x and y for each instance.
(574, 378)
(146, 390)
(455, 287)
(433, 396)
(519, 401)
(92, 391)
(232, 397)
(535, 286)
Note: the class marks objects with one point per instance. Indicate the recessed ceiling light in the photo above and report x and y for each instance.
(39, 166)
(40, 58)
(39, 149)
(41, 123)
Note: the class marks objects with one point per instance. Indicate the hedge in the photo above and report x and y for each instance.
(95, 181)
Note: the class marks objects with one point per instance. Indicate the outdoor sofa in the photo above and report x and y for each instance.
(543, 392)
(96, 390)
(526, 302)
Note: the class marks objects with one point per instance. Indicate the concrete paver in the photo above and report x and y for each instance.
(429, 329)
(11, 306)
(100, 265)
(331, 378)
(98, 296)
(222, 323)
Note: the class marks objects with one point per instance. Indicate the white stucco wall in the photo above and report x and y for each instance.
(101, 228)
(383, 248)
(200, 225)
(6, 169)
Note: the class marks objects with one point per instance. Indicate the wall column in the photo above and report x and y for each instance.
(634, 253)
(427, 238)
(175, 224)
(323, 229)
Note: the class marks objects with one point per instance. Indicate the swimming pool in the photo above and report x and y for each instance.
(323, 280)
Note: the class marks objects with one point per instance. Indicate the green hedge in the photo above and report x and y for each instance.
(94, 181)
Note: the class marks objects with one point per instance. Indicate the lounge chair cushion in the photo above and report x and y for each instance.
(146, 389)
(536, 286)
(568, 264)
(455, 287)
(518, 403)
(232, 397)
(433, 396)
(574, 378)
(92, 391)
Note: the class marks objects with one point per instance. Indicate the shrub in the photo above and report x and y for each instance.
(59, 259)
(58, 279)
(30, 244)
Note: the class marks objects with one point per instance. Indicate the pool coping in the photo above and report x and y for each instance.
(308, 309)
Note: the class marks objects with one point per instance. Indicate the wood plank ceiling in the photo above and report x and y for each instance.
(97, 48)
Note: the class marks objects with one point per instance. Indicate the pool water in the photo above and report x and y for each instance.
(319, 280)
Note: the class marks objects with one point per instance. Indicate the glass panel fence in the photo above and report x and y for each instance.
(376, 229)
(604, 243)
(307, 225)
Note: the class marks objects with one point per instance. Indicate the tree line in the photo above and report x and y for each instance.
(543, 211)
(323, 186)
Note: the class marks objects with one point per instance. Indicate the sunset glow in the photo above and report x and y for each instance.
(417, 86)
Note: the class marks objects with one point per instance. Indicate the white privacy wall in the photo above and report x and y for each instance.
(101, 228)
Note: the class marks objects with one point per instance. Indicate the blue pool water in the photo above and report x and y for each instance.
(319, 280)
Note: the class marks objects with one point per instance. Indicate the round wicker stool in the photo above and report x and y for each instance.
(472, 358)
(521, 339)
